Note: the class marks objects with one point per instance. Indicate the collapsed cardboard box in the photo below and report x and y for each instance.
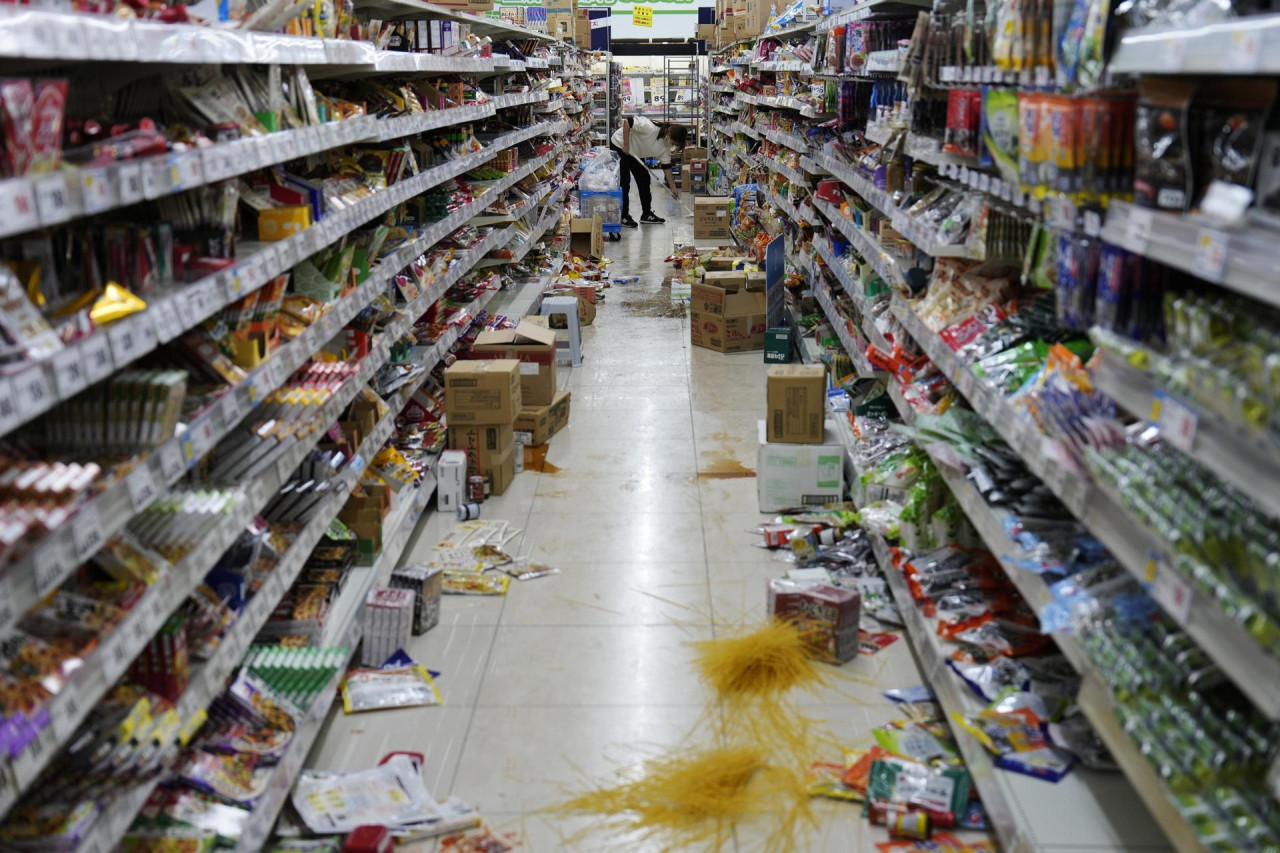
(796, 403)
(725, 314)
(586, 236)
(711, 218)
(538, 423)
(482, 392)
(534, 346)
(794, 475)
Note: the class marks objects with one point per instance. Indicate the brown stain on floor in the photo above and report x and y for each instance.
(535, 459)
(723, 465)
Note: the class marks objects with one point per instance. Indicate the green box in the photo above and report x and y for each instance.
(777, 345)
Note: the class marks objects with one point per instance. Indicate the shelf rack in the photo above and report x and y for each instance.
(37, 36)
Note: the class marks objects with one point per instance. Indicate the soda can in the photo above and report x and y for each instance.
(468, 512)
(475, 488)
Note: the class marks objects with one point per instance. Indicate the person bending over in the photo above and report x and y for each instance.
(639, 139)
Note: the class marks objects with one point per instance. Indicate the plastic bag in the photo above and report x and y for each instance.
(371, 689)
(602, 172)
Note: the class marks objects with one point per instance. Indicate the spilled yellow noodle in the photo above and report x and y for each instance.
(694, 799)
(766, 663)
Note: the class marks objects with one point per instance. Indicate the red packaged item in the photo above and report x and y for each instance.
(17, 105)
(46, 126)
(827, 616)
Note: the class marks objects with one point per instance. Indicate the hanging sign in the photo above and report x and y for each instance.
(642, 16)
(599, 23)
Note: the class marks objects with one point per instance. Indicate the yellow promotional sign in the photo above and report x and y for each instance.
(642, 16)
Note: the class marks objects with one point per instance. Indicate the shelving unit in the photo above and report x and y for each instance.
(71, 196)
(1028, 815)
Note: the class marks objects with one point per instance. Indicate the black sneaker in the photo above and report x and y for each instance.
(629, 222)
(651, 218)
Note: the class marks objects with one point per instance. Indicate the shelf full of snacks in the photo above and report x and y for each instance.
(209, 288)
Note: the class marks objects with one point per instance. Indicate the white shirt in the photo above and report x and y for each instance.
(645, 141)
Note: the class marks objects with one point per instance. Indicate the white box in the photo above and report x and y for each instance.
(451, 481)
(795, 475)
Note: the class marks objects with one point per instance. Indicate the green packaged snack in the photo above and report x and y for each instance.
(1000, 132)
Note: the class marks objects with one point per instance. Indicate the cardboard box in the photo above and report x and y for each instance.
(720, 263)
(707, 32)
(499, 471)
(560, 25)
(586, 237)
(794, 475)
(451, 481)
(482, 392)
(539, 423)
(482, 444)
(711, 218)
(777, 345)
(796, 403)
(695, 153)
(726, 316)
(534, 347)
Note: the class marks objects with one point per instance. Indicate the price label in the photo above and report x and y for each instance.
(190, 169)
(96, 189)
(1172, 52)
(69, 372)
(66, 714)
(231, 410)
(126, 342)
(157, 177)
(7, 611)
(50, 561)
(18, 203)
(201, 438)
(32, 393)
(86, 532)
(1137, 229)
(1173, 593)
(96, 352)
(69, 38)
(1210, 260)
(166, 322)
(1176, 420)
(142, 487)
(53, 200)
(129, 180)
(1246, 47)
(172, 465)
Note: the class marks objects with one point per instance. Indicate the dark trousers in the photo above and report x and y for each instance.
(628, 167)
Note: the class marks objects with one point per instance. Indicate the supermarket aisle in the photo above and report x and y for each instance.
(643, 504)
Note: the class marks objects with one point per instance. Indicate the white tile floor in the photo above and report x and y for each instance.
(574, 676)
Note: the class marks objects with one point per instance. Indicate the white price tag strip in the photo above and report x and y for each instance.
(7, 612)
(69, 373)
(1137, 229)
(1173, 593)
(18, 211)
(98, 363)
(32, 392)
(48, 561)
(172, 464)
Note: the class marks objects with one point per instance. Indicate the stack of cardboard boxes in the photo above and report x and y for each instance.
(801, 459)
(481, 400)
(727, 310)
(502, 397)
(696, 172)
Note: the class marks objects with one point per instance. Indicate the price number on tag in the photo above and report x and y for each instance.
(66, 714)
(32, 392)
(1137, 229)
(86, 532)
(18, 202)
(126, 342)
(172, 464)
(1176, 420)
(52, 199)
(98, 363)
(50, 562)
(95, 189)
(142, 487)
(69, 372)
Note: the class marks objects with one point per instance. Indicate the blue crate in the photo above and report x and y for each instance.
(605, 203)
